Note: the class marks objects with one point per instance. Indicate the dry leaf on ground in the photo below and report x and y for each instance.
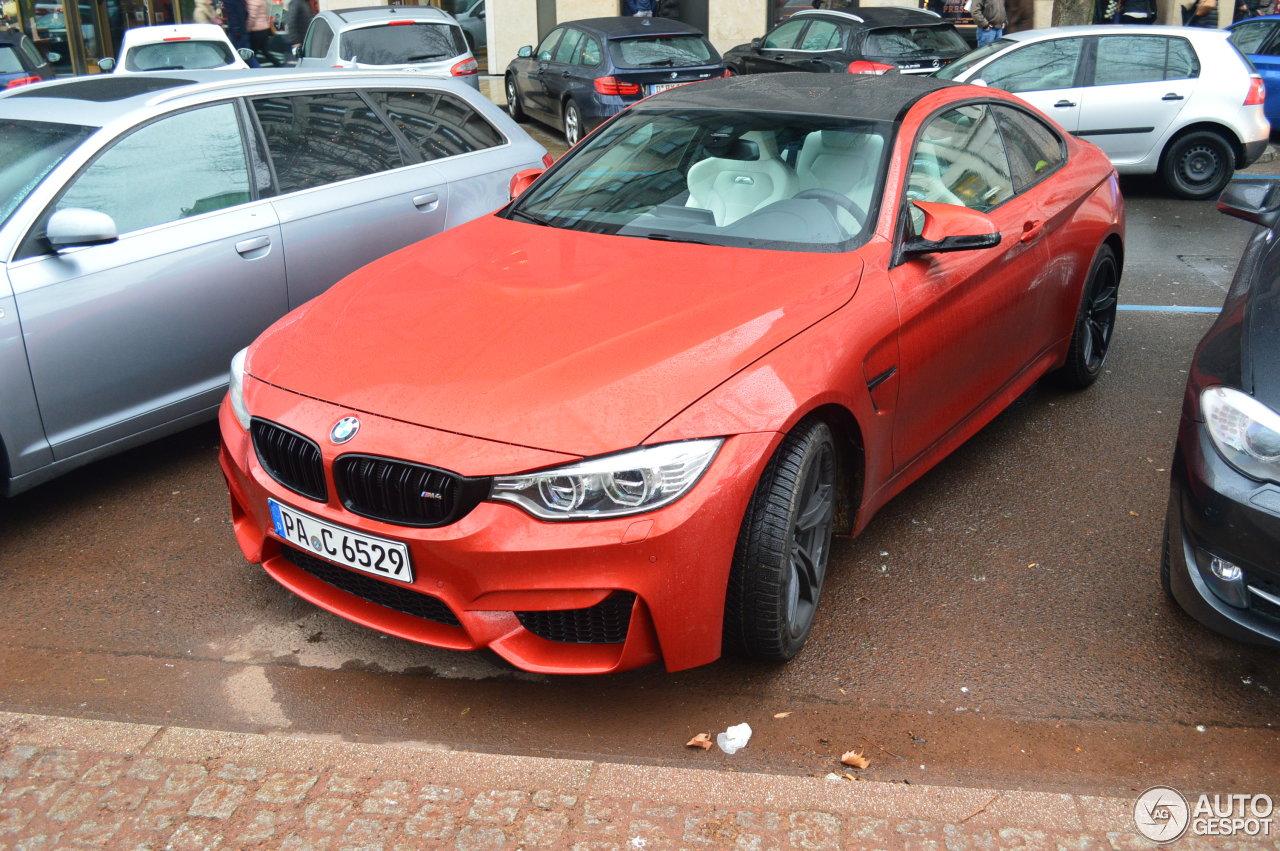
(702, 740)
(855, 759)
(781, 714)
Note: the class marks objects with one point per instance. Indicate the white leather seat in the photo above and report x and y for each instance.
(926, 182)
(732, 188)
(842, 161)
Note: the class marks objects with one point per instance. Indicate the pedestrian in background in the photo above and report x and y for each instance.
(1201, 13)
(297, 17)
(237, 25)
(205, 13)
(639, 8)
(989, 18)
(260, 29)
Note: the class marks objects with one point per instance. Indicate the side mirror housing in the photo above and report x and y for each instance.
(105, 64)
(245, 53)
(755, 44)
(949, 227)
(525, 52)
(521, 180)
(76, 226)
(1254, 199)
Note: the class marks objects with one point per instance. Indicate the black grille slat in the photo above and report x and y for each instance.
(604, 623)
(393, 491)
(368, 588)
(290, 459)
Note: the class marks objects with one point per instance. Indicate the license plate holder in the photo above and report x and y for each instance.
(366, 553)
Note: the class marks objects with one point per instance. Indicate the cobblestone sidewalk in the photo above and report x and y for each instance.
(69, 783)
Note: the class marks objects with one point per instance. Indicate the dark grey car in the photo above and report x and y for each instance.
(153, 225)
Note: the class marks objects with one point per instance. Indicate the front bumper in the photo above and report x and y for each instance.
(570, 597)
(1214, 511)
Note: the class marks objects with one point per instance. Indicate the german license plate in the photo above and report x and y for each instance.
(662, 87)
(379, 556)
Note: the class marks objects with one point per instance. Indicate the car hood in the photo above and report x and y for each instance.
(547, 338)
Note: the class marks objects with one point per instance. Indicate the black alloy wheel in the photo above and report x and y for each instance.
(783, 548)
(1198, 165)
(1095, 323)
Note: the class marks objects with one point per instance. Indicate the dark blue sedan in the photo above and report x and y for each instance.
(586, 71)
(1259, 39)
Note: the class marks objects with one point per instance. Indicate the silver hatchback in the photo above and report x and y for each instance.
(151, 225)
(422, 39)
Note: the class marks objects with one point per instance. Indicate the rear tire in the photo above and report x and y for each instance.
(572, 124)
(1095, 322)
(1198, 165)
(514, 109)
(783, 547)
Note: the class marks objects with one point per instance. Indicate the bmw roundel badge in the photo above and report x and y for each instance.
(344, 429)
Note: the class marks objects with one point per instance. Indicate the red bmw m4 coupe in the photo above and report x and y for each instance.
(618, 421)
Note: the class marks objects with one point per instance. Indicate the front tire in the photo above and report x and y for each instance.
(783, 547)
(572, 124)
(514, 109)
(1198, 165)
(1095, 322)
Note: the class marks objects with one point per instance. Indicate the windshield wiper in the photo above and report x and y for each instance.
(426, 56)
(666, 237)
(530, 217)
(657, 62)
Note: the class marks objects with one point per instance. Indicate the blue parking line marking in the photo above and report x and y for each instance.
(1167, 308)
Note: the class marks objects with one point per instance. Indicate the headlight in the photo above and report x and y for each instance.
(1246, 432)
(612, 485)
(236, 388)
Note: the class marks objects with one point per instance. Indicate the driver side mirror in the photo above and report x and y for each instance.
(521, 180)
(948, 227)
(75, 226)
(245, 53)
(755, 44)
(105, 64)
(525, 52)
(1254, 199)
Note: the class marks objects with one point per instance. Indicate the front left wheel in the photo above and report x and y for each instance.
(783, 547)
(1095, 322)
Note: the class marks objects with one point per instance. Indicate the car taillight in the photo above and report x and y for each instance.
(862, 66)
(613, 86)
(465, 67)
(1257, 92)
(21, 81)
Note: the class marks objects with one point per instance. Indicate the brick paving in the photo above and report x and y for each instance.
(72, 783)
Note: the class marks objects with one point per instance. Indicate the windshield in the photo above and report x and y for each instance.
(914, 41)
(29, 150)
(745, 179)
(662, 52)
(401, 44)
(957, 68)
(179, 55)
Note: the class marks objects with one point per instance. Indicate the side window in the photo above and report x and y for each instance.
(1034, 149)
(325, 137)
(1182, 63)
(181, 165)
(1251, 35)
(1139, 59)
(568, 48)
(784, 37)
(1043, 65)
(548, 44)
(591, 54)
(318, 39)
(821, 35)
(438, 125)
(33, 55)
(960, 159)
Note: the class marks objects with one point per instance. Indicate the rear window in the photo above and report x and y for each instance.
(9, 62)
(179, 55)
(400, 44)
(29, 150)
(662, 52)
(914, 41)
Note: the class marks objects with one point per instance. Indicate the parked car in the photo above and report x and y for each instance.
(618, 421)
(20, 61)
(1259, 39)
(1180, 102)
(423, 39)
(1222, 531)
(175, 47)
(151, 225)
(869, 41)
(472, 20)
(586, 71)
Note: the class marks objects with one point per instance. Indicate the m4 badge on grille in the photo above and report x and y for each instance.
(431, 495)
(344, 429)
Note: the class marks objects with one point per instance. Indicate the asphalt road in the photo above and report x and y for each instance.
(999, 624)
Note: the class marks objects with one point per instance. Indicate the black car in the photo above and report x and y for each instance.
(587, 71)
(1221, 554)
(868, 41)
(21, 62)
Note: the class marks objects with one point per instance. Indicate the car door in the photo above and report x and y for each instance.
(138, 332)
(1140, 84)
(967, 317)
(348, 192)
(533, 82)
(776, 50)
(562, 76)
(1046, 74)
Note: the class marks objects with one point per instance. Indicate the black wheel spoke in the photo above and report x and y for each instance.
(816, 509)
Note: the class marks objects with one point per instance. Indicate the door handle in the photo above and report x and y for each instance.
(1065, 103)
(427, 202)
(1031, 230)
(1172, 96)
(253, 245)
